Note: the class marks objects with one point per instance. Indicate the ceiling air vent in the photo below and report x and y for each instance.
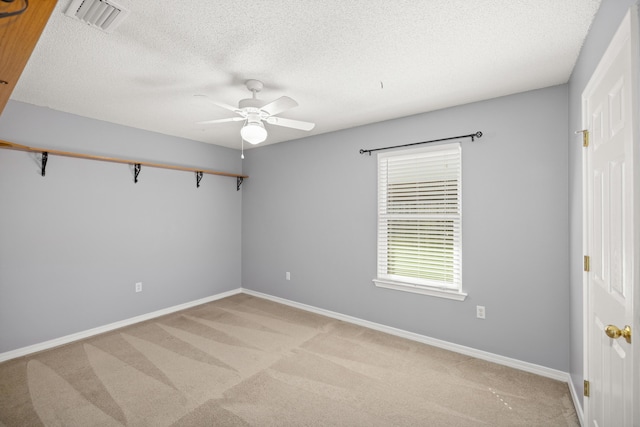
(101, 14)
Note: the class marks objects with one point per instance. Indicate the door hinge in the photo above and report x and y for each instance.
(586, 388)
(587, 263)
(585, 137)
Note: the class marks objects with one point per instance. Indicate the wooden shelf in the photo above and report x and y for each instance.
(19, 147)
(18, 37)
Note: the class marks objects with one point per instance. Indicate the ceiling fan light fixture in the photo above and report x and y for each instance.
(254, 132)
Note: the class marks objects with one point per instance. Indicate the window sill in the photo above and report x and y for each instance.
(434, 292)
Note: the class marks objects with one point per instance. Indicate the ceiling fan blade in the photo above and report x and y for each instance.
(230, 119)
(219, 104)
(279, 105)
(289, 123)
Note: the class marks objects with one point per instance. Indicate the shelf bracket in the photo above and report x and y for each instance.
(239, 183)
(198, 178)
(45, 157)
(136, 172)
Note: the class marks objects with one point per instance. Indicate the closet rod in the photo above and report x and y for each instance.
(13, 146)
(473, 136)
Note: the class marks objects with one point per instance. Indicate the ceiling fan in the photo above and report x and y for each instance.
(254, 112)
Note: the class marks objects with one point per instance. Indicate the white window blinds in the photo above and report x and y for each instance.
(419, 217)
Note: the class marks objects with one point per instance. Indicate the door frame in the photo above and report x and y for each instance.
(629, 25)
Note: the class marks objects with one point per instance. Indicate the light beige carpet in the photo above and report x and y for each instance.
(245, 361)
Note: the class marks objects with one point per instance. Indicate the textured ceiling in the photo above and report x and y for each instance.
(346, 63)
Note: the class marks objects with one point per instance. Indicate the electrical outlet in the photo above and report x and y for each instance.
(480, 311)
(139, 287)
(288, 275)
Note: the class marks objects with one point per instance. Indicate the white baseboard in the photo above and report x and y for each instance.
(479, 354)
(577, 402)
(491, 357)
(110, 327)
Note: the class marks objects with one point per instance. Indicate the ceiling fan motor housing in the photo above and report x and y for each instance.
(254, 118)
(250, 103)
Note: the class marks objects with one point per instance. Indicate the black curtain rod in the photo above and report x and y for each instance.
(473, 136)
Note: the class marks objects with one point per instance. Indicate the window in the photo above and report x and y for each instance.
(420, 221)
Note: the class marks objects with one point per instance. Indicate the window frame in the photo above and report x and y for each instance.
(411, 284)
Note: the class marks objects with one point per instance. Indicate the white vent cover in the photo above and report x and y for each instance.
(101, 14)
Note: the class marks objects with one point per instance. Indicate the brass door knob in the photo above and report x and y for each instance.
(615, 332)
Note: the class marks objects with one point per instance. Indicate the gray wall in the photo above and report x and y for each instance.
(310, 209)
(73, 243)
(602, 30)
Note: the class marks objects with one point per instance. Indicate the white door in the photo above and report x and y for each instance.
(610, 115)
